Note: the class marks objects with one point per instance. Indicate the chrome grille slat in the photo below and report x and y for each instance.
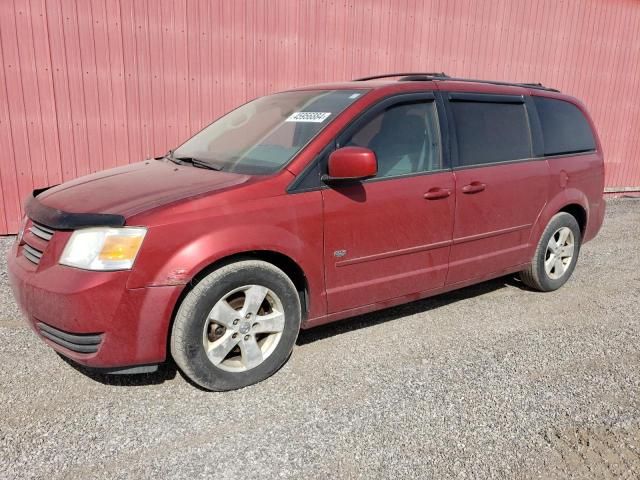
(32, 254)
(41, 231)
(33, 251)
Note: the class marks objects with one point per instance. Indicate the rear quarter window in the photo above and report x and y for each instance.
(564, 128)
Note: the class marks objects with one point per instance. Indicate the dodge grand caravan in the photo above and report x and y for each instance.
(306, 207)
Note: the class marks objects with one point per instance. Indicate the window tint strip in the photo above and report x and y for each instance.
(484, 97)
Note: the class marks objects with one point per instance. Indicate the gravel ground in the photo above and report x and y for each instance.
(492, 381)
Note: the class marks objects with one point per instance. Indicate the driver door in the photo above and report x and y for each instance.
(390, 236)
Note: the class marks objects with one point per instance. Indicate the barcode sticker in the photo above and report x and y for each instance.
(313, 117)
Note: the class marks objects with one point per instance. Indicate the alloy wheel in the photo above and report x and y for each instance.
(559, 253)
(243, 328)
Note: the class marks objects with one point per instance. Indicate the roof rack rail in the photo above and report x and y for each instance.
(417, 76)
(390, 75)
(536, 86)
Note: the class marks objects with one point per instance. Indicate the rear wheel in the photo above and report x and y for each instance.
(556, 254)
(237, 326)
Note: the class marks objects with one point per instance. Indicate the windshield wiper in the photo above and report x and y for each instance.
(196, 162)
(169, 156)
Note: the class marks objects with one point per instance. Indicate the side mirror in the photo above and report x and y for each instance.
(351, 163)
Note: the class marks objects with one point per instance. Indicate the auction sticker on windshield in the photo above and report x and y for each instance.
(313, 117)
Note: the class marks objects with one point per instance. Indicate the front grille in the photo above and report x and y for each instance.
(40, 236)
(81, 343)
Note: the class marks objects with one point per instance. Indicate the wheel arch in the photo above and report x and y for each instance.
(572, 201)
(284, 262)
(579, 213)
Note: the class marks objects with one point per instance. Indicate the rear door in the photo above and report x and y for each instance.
(390, 236)
(501, 187)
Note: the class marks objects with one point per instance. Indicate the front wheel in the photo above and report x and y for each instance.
(237, 326)
(556, 254)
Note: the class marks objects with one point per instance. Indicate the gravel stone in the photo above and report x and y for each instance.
(492, 381)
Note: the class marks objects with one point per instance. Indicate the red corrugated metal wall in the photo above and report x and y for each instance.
(91, 84)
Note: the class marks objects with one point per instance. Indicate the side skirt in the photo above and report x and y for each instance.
(412, 297)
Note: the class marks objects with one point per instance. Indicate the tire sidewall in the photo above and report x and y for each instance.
(558, 221)
(208, 293)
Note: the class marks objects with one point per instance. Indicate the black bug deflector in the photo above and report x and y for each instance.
(60, 220)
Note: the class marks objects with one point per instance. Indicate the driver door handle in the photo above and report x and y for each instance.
(437, 193)
(474, 187)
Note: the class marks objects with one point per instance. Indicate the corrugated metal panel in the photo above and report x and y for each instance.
(87, 85)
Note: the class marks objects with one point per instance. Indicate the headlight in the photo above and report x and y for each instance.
(103, 248)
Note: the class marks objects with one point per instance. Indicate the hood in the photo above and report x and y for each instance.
(136, 187)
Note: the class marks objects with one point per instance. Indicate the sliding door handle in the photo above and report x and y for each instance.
(474, 187)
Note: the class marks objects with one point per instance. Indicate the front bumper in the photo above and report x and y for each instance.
(92, 317)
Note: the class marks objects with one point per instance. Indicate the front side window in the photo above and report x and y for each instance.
(404, 137)
(262, 136)
(564, 128)
(490, 132)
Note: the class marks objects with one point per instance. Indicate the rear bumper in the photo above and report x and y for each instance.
(91, 317)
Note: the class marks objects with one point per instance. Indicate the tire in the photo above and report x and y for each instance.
(204, 328)
(551, 276)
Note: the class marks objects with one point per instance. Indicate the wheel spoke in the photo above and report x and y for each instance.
(566, 251)
(564, 233)
(254, 296)
(221, 347)
(272, 323)
(558, 267)
(552, 243)
(251, 353)
(549, 262)
(223, 314)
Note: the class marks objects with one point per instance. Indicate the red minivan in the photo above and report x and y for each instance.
(302, 208)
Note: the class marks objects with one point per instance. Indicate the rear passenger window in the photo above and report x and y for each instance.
(564, 128)
(490, 132)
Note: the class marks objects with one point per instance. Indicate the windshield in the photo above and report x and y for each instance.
(263, 135)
